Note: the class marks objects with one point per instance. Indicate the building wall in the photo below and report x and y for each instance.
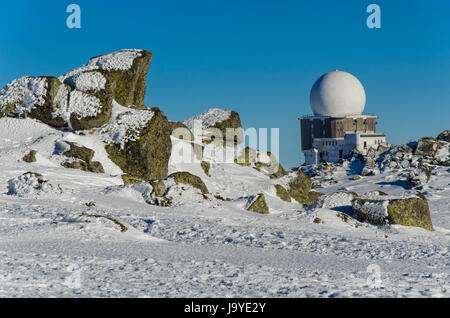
(333, 127)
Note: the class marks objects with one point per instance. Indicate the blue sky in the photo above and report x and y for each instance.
(259, 58)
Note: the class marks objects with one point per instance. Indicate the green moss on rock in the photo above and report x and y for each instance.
(189, 179)
(127, 179)
(148, 157)
(300, 189)
(258, 204)
(159, 188)
(282, 193)
(128, 86)
(205, 166)
(79, 152)
(412, 211)
(30, 157)
(233, 122)
(102, 117)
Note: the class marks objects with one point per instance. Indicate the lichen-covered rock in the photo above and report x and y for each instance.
(93, 166)
(282, 193)
(205, 166)
(444, 136)
(215, 121)
(189, 179)
(300, 189)
(81, 158)
(159, 188)
(30, 157)
(40, 98)
(257, 204)
(138, 141)
(413, 211)
(427, 146)
(127, 179)
(123, 76)
(79, 152)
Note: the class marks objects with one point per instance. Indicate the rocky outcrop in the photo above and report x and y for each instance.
(300, 189)
(258, 204)
(81, 158)
(218, 126)
(189, 179)
(82, 98)
(40, 98)
(412, 211)
(138, 141)
(444, 136)
(282, 193)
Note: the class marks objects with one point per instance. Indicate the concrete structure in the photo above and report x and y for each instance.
(338, 126)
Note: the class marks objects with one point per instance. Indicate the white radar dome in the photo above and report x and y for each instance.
(337, 94)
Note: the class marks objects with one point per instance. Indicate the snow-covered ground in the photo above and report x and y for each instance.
(51, 243)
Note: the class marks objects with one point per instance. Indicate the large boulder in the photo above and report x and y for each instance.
(43, 98)
(80, 157)
(299, 189)
(411, 211)
(119, 76)
(218, 126)
(189, 179)
(138, 141)
(427, 146)
(81, 99)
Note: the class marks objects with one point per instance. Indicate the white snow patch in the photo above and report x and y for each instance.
(83, 105)
(89, 81)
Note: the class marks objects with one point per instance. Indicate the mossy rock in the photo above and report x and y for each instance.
(93, 166)
(105, 110)
(147, 157)
(159, 188)
(189, 179)
(300, 189)
(205, 166)
(258, 204)
(44, 112)
(234, 122)
(127, 179)
(412, 211)
(79, 152)
(428, 146)
(30, 157)
(128, 87)
(282, 193)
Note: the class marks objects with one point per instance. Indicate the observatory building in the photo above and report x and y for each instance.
(337, 125)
